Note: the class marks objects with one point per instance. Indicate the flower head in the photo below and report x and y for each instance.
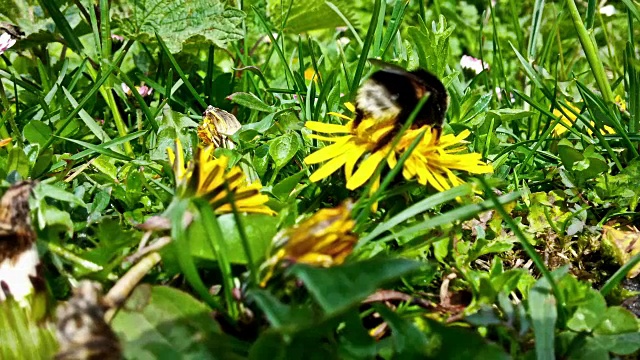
(473, 64)
(568, 117)
(210, 178)
(325, 239)
(143, 90)
(348, 148)
(6, 41)
(622, 105)
(608, 10)
(431, 162)
(217, 125)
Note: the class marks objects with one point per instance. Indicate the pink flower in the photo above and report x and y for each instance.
(143, 90)
(473, 64)
(117, 37)
(6, 41)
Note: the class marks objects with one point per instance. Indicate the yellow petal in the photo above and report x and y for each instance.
(328, 168)
(328, 152)
(353, 158)
(365, 170)
(321, 127)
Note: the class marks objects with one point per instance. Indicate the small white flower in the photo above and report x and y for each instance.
(126, 89)
(343, 41)
(117, 37)
(608, 10)
(473, 64)
(6, 41)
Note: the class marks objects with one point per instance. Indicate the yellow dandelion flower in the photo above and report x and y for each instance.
(347, 149)
(310, 74)
(432, 161)
(621, 103)
(325, 239)
(209, 178)
(434, 158)
(570, 118)
(217, 125)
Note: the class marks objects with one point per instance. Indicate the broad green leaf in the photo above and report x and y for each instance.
(37, 132)
(355, 339)
(283, 148)
(408, 340)
(620, 344)
(42, 164)
(479, 106)
(251, 101)
(543, 312)
(172, 125)
(588, 315)
(285, 318)
(23, 14)
(283, 189)
(445, 343)
(307, 15)
(163, 322)
(52, 216)
(18, 162)
(623, 188)
(261, 159)
(340, 287)
(105, 165)
(55, 192)
(259, 228)
(590, 349)
(181, 22)
(432, 45)
(616, 320)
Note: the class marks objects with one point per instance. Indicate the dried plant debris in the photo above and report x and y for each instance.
(19, 259)
(217, 125)
(81, 329)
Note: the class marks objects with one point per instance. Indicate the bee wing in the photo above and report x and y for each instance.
(229, 125)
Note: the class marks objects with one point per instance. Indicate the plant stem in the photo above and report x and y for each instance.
(591, 51)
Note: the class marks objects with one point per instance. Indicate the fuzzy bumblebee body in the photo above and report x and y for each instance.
(392, 93)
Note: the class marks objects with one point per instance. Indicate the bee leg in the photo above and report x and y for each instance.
(438, 131)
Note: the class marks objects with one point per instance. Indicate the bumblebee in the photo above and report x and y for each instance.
(392, 93)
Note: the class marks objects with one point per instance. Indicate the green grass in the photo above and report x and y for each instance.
(533, 260)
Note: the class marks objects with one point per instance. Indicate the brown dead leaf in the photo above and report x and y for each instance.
(623, 244)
